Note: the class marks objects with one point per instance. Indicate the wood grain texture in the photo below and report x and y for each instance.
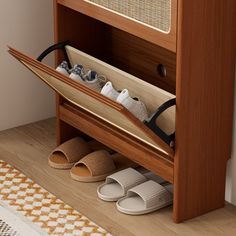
(205, 63)
(142, 59)
(205, 82)
(166, 40)
(27, 148)
(116, 47)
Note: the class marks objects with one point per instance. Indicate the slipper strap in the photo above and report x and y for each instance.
(73, 149)
(126, 178)
(152, 193)
(98, 163)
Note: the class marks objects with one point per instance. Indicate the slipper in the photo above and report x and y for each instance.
(145, 198)
(70, 152)
(97, 165)
(117, 184)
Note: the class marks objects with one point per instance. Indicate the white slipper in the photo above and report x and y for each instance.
(117, 184)
(145, 198)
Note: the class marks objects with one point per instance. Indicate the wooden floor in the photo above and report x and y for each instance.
(27, 148)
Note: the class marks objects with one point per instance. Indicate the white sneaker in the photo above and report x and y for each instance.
(63, 68)
(77, 73)
(109, 91)
(136, 107)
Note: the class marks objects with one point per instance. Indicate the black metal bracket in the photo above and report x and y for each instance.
(54, 47)
(151, 123)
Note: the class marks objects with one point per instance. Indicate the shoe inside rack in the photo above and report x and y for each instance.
(63, 68)
(109, 91)
(134, 105)
(94, 81)
(89, 78)
(77, 73)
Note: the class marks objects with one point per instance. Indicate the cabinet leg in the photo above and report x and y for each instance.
(198, 193)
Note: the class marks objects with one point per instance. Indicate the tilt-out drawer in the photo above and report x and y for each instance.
(108, 113)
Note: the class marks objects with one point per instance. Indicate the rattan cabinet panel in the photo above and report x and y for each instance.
(154, 13)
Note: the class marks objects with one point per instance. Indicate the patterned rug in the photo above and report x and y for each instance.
(28, 209)
(14, 224)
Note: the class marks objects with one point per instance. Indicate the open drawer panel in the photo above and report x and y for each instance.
(95, 103)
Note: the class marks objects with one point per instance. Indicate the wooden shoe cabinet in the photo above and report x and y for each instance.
(170, 49)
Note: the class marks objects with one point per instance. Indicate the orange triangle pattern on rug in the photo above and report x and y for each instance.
(56, 218)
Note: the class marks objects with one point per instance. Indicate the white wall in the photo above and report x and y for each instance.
(230, 195)
(233, 173)
(26, 25)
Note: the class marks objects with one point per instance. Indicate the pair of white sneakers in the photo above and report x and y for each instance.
(89, 78)
(134, 105)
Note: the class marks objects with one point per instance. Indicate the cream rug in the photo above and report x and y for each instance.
(28, 209)
(15, 224)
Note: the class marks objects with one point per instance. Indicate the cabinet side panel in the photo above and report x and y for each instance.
(205, 82)
(63, 130)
